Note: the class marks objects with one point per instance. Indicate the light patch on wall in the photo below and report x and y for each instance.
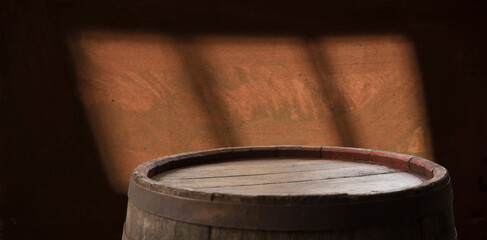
(148, 95)
(381, 92)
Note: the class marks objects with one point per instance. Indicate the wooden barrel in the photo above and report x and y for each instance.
(289, 192)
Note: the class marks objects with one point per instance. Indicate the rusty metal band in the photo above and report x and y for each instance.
(289, 217)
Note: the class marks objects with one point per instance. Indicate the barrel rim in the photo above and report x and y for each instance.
(435, 174)
(292, 213)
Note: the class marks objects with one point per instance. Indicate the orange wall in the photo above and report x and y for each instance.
(148, 95)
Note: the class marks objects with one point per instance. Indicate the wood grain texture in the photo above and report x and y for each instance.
(380, 183)
(141, 225)
(288, 177)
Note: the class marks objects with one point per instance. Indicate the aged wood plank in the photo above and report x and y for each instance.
(229, 168)
(141, 225)
(252, 167)
(287, 176)
(275, 178)
(351, 185)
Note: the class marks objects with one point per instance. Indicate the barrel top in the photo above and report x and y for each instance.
(280, 174)
(290, 187)
(288, 176)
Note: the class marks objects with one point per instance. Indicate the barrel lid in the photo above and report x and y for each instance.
(288, 176)
(213, 187)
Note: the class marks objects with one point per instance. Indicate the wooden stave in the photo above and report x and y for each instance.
(285, 217)
(425, 228)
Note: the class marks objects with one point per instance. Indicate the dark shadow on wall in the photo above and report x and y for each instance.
(52, 183)
(453, 68)
(54, 186)
(203, 85)
(331, 94)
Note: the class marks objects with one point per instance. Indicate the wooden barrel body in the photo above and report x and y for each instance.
(290, 192)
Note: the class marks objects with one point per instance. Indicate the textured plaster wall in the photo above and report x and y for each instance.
(149, 95)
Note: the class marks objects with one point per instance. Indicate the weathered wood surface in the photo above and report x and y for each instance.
(141, 225)
(288, 177)
(281, 180)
